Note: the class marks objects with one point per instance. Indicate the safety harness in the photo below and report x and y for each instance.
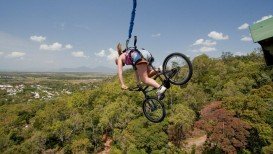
(129, 37)
(150, 61)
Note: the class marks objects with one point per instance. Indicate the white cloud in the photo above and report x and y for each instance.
(112, 54)
(1, 53)
(156, 35)
(243, 26)
(79, 54)
(204, 42)
(16, 54)
(198, 42)
(54, 47)
(264, 18)
(38, 38)
(207, 49)
(101, 53)
(68, 46)
(246, 39)
(218, 36)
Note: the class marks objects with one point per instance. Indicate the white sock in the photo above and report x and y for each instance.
(161, 89)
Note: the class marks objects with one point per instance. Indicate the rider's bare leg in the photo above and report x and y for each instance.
(151, 72)
(142, 70)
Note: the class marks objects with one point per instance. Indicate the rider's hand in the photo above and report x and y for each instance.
(123, 87)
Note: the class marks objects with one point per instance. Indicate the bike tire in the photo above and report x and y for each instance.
(187, 66)
(158, 105)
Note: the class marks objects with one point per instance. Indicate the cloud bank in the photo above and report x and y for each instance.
(16, 54)
(111, 54)
(218, 36)
(243, 26)
(79, 54)
(37, 38)
(263, 18)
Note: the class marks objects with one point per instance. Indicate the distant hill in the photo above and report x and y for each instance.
(99, 69)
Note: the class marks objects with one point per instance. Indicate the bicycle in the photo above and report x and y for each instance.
(177, 70)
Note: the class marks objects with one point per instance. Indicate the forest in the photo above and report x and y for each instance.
(228, 101)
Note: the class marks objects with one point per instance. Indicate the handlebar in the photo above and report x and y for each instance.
(137, 88)
(141, 88)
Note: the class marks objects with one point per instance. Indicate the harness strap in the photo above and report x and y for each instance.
(142, 57)
(134, 63)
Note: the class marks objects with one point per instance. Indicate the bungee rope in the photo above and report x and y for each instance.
(133, 14)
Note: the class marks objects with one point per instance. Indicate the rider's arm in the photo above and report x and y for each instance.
(137, 77)
(120, 72)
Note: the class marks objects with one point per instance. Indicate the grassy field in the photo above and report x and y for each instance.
(36, 77)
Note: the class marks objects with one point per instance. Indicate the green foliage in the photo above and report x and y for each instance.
(256, 109)
(115, 150)
(142, 134)
(193, 96)
(77, 123)
(268, 149)
(180, 122)
(80, 145)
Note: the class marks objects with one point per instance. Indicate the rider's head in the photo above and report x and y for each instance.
(119, 49)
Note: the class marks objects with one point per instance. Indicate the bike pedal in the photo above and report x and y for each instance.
(161, 97)
(166, 84)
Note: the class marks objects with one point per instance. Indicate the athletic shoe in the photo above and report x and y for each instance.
(160, 92)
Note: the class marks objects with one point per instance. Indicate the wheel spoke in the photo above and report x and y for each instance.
(181, 64)
(154, 110)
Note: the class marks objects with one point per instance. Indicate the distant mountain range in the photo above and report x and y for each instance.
(100, 69)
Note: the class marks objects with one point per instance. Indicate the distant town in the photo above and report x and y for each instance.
(19, 86)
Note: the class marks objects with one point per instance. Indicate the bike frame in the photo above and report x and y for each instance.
(144, 89)
(166, 81)
(158, 75)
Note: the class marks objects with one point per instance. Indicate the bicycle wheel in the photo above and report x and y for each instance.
(177, 68)
(154, 110)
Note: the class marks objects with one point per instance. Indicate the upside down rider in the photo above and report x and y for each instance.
(140, 60)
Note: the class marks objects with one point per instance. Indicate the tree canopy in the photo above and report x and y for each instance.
(239, 120)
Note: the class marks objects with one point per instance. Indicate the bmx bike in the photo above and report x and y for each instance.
(177, 70)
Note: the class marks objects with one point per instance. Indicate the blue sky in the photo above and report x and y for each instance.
(45, 35)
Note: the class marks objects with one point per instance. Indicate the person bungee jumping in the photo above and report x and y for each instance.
(140, 60)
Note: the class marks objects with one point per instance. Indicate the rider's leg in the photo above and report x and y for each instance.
(151, 72)
(143, 74)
